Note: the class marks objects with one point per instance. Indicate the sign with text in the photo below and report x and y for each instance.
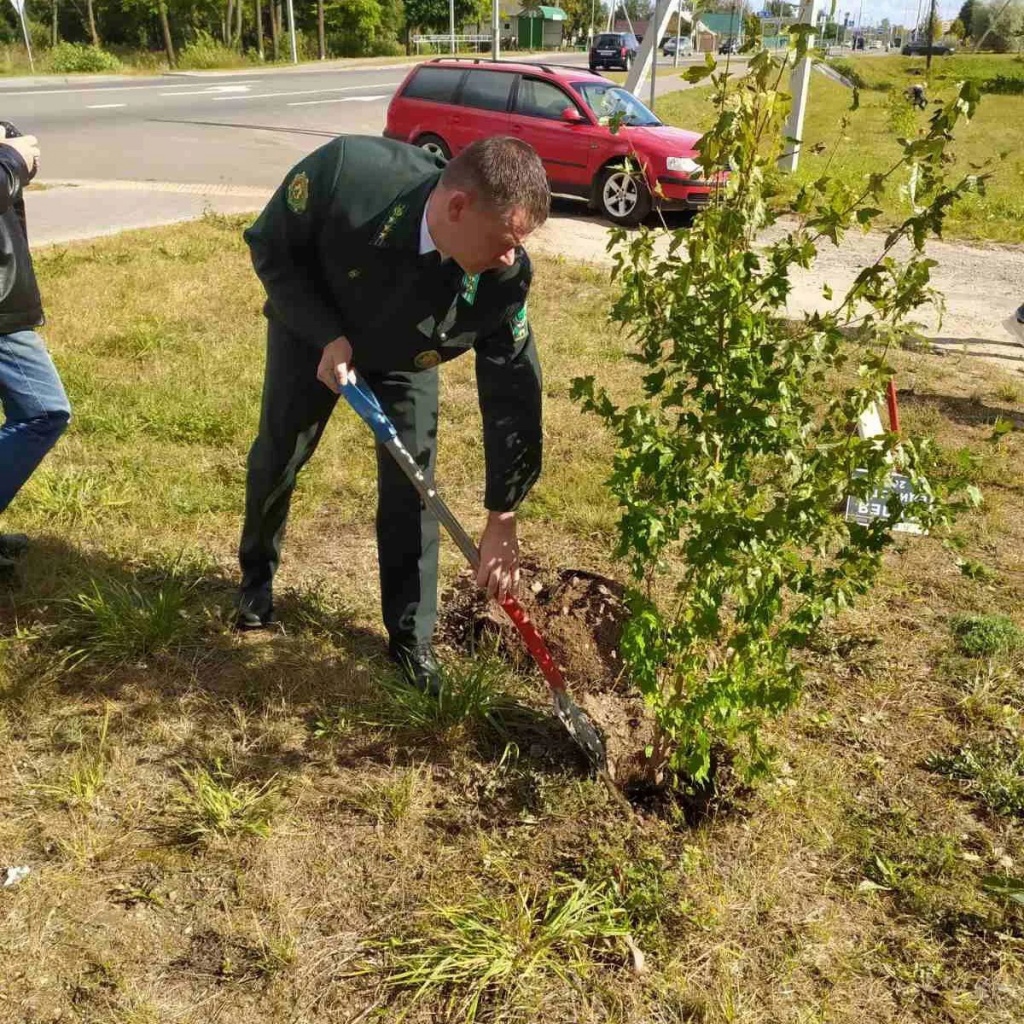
(899, 488)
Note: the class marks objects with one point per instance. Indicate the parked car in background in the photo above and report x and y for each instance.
(668, 47)
(729, 46)
(921, 50)
(614, 50)
(565, 113)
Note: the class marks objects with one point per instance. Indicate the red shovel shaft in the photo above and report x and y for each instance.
(534, 644)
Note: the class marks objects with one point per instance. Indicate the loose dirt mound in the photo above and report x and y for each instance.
(581, 615)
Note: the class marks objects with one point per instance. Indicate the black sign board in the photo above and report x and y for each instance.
(877, 506)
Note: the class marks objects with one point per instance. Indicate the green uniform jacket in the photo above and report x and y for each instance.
(337, 249)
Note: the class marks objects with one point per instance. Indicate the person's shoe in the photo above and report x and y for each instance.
(13, 545)
(418, 665)
(1015, 325)
(255, 610)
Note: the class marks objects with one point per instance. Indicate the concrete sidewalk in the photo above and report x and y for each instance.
(68, 211)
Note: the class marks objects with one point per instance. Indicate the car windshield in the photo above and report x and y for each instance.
(607, 100)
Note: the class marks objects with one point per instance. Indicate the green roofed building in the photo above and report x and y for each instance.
(541, 28)
(719, 27)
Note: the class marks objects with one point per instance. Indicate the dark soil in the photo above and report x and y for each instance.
(581, 616)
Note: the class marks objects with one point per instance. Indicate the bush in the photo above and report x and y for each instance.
(205, 53)
(74, 58)
(982, 636)
(732, 469)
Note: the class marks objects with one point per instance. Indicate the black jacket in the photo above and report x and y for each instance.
(21, 308)
(337, 249)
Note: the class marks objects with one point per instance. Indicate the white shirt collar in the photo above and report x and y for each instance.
(426, 241)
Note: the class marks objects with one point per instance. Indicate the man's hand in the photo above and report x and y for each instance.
(335, 367)
(499, 556)
(28, 147)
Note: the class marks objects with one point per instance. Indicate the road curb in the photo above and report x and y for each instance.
(181, 188)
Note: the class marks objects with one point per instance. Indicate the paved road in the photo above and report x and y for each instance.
(240, 128)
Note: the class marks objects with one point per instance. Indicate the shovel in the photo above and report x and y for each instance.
(364, 402)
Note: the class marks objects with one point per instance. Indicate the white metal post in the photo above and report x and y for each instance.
(799, 82)
(291, 30)
(28, 45)
(679, 29)
(496, 25)
(648, 54)
(451, 23)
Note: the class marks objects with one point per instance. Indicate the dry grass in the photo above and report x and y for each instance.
(847, 890)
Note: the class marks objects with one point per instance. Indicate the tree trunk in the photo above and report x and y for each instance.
(275, 34)
(238, 25)
(166, 26)
(227, 24)
(259, 28)
(92, 23)
(320, 29)
(53, 35)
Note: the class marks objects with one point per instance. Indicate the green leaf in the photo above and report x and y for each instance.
(1004, 886)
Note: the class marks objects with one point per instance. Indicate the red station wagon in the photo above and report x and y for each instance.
(564, 113)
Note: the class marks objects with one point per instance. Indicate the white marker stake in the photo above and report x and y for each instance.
(19, 6)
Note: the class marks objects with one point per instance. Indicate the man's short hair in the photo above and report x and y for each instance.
(505, 173)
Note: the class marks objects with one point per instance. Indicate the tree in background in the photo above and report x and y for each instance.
(998, 25)
(957, 30)
(966, 17)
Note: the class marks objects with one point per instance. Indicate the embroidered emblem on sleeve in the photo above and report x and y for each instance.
(298, 193)
(520, 325)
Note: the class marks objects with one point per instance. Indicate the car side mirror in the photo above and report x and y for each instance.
(570, 115)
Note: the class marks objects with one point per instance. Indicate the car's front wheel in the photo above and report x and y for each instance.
(435, 146)
(623, 196)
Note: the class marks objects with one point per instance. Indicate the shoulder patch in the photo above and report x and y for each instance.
(520, 325)
(298, 193)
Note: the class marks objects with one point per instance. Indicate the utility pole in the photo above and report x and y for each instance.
(930, 39)
(496, 29)
(679, 30)
(291, 31)
(451, 23)
(799, 83)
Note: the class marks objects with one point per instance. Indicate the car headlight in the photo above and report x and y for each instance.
(683, 164)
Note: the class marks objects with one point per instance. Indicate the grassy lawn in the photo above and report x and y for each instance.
(260, 828)
(869, 143)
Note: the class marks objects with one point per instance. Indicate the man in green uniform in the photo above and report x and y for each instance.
(378, 257)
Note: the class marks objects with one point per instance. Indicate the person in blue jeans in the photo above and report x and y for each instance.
(36, 409)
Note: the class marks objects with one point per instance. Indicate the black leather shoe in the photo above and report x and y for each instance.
(13, 545)
(418, 665)
(255, 610)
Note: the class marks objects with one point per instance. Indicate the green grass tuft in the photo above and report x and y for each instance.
(216, 804)
(471, 696)
(993, 771)
(117, 623)
(493, 950)
(982, 636)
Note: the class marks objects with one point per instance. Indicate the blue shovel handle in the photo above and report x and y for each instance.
(365, 403)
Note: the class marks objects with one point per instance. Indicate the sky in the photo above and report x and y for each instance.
(899, 12)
